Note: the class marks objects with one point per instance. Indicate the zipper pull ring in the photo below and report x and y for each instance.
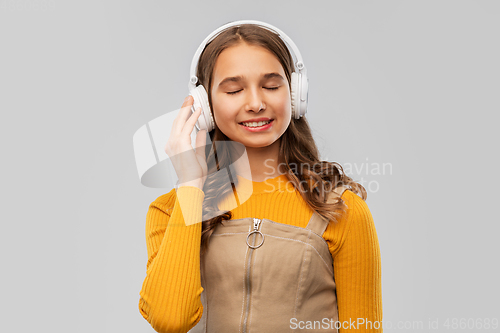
(256, 225)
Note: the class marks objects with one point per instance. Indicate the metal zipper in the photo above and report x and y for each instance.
(256, 225)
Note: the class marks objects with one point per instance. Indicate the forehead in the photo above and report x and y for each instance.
(245, 60)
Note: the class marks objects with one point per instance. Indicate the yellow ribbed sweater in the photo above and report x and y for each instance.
(170, 295)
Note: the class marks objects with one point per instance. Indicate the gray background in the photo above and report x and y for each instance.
(410, 83)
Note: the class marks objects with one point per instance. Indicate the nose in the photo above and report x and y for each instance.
(255, 100)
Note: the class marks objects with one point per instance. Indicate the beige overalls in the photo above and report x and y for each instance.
(262, 276)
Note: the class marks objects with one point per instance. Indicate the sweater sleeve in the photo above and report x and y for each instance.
(170, 295)
(357, 270)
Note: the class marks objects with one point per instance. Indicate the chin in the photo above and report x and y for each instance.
(258, 145)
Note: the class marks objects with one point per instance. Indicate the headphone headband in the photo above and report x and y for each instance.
(299, 65)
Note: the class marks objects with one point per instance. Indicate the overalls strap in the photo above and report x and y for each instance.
(317, 224)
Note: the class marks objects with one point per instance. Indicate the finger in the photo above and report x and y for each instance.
(187, 101)
(187, 106)
(189, 125)
(201, 140)
(183, 115)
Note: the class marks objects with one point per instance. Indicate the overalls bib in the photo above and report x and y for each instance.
(262, 276)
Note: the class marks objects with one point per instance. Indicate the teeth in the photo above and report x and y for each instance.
(257, 124)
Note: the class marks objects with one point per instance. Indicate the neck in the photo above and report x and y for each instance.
(259, 164)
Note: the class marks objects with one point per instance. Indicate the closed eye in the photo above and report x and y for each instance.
(237, 91)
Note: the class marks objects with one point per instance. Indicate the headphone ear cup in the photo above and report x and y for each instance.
(304, 94)
(294, 88)
(206, 120)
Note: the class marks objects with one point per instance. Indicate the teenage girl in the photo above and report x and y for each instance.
(279, 243)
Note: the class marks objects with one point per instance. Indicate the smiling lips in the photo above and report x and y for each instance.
(263, 125)
(256, 123)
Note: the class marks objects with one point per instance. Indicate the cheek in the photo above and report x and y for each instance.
(217, 108)
(222, 112)
(284, 104)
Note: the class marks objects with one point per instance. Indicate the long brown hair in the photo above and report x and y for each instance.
(298, 153)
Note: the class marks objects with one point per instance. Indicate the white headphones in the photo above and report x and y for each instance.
(299, 81)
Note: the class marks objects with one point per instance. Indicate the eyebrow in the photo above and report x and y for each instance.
(239, 78)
